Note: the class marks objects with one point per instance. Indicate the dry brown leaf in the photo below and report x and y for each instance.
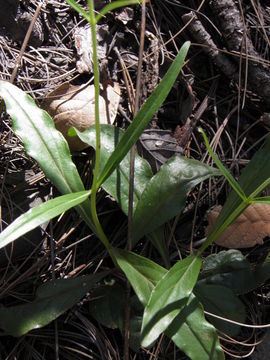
(74, 106)
(249, 229)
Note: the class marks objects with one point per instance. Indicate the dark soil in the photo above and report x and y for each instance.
(219, 85)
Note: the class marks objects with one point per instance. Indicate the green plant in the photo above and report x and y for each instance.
(170, 298)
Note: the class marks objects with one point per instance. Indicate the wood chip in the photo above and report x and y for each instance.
(74, 106)
(249, 229)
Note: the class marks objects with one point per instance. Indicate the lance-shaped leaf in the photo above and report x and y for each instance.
(165, 194)
(194, 335)
(143, 275)
(145, 114)
(39, 215)
(169, 297)
(117, 185)
(231, 269)
(44, 143)
(52, 299)
(221, 301)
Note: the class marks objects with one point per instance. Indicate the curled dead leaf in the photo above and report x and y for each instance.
(249, 229)
(74, 106)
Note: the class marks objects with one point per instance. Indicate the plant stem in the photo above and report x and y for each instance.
(215, 234)
(94, 188)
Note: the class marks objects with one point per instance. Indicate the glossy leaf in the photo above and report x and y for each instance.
(40, 214)
(169, 297)
(231, 269)
(228, 268)
(145, 114)
(141, 272)
(117, 185)
(224, 261)
(143, 275)
(165, 194)
(193, 334)
(52, 299)
(220, 300)
(44, 143)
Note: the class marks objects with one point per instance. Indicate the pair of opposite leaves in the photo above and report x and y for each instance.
(72, 105)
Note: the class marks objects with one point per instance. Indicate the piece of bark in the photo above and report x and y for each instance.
(248, 230)
(199, 33)
(74, 106)
(237, 39)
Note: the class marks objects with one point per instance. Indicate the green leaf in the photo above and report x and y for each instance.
(44, 143)
(108, 306)
(158, 239)
(117, 185)
(231, 269)
(145, 114)
(141, 272)
(53, 299)
(39, 215)
(135, 323)
(262, 272)
(221, 301)
(231, 180)
(224, 261)
(165, 194)
(193, 334)
(143, 275)
(257, 172)
(169, 297)
(78, 8)
(228, 268)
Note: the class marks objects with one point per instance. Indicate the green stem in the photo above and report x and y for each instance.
(246, 201)
(215, 234)
(259, 189)
(94, 189)
(234, 184)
